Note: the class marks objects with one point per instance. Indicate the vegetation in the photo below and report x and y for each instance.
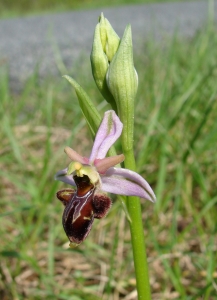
(176, 136)
(12, 8)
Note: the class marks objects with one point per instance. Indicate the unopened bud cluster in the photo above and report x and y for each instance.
(114, 73)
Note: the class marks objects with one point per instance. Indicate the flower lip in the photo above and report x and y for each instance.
(83, 184)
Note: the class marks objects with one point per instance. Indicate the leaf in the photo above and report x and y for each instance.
(91, 114)
(88, 109)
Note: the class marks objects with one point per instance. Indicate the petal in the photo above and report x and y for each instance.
(62, 176)
(102, 165)
(133, 177)
(109, 131)
(60, 173)
(74, 156)
(121, 186)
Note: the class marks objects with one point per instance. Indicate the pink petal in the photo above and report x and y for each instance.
(109, 131)
(61, 176)
(132, 177)
(102, 165)
(121, 186)
(74, 156)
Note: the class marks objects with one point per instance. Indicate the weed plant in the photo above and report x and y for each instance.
(176, 133)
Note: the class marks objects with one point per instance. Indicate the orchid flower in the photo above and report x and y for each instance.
(94, 177)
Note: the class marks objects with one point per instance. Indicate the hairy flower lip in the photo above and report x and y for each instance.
(110, 179)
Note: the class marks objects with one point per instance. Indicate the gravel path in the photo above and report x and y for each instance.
(25, 42)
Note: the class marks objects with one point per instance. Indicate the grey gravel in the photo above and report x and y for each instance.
(30, 41)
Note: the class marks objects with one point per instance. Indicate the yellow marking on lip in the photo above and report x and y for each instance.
(88, 218)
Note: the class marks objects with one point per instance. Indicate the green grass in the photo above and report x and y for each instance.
(175, 145)
(12, 8)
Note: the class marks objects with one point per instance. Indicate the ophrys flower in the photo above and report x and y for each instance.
(94, 177)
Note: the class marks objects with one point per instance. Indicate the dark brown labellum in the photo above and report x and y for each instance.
(81, 207)
(102, 204)
(65, 195)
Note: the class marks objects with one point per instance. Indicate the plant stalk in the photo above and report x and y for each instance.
(137, 237)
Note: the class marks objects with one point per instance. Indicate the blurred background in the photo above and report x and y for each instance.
(175, 148)
(30, 7)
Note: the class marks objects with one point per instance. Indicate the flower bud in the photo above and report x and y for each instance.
(105, 44)
(122, 81)
(109, 38)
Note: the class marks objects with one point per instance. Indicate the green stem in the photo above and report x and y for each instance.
(137, 237)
